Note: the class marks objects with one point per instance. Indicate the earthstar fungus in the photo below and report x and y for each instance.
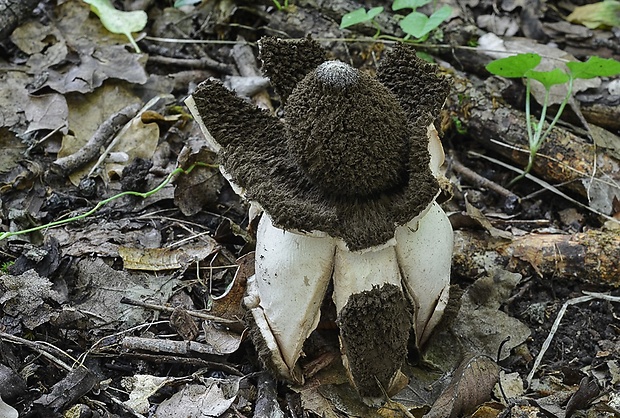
(347, 182)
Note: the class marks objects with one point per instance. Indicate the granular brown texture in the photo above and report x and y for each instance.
(256, 154)
(374, 330)
(420, 91)
(351, 138)
(286, 62)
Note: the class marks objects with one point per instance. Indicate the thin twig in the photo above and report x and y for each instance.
(161, 308)
(556, 324)
(41, 348)
(102, 136)
(205, 63)
(480, 181)
(544, 184)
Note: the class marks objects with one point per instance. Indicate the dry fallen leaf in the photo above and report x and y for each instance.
(587, 392)
(604, 14)
(471, 385)
(156, 259)
(140, 388)
(201, 187)
(26, 297)
(228, 305)
(209, 400)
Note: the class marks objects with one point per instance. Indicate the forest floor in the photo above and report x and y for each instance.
(134, 309)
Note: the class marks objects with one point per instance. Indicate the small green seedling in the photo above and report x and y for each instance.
(281, 6)
(360, 16)
(117, 21)
(168, 179)
(416, 24)
(4, 268)
(523, 65)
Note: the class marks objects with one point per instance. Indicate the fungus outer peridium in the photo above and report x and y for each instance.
(404, 229)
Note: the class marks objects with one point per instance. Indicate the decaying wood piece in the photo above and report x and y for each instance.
(101, 138)
(592, 256)
(563, 158)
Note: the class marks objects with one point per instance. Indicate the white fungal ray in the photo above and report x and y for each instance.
(357, 271)
(435, 148)
(354, 273)
(292, 274)
(424, 251)
(191, 105)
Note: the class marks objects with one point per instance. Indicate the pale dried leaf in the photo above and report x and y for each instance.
(7, 411)
(103, 288)
(512, 385)
(198, 401)
(471, 385)
(48, 111)
(25, 296)
(156, 259)
(13, 100)
(477, 215)
(484, 326)
(221, 339)
(141, 387)
(201, 187)
(12, 153)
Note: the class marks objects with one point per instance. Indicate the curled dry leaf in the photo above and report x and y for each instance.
(7, 411)
(209, 400)
(471, 385)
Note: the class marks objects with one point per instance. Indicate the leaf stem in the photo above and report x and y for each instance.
(561, 108)
(104, 202)
(528, 117)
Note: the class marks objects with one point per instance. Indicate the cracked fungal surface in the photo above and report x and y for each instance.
(297, 169)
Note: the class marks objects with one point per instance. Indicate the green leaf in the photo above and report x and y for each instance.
(515, 66)
(413, 24)
(417, 24)
(359, 16)
(374, 12)
(409, 4)
(548, 78)
(594, 67)
(439, 17)
(117, 21)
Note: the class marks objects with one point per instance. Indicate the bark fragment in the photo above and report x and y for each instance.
(592, 256)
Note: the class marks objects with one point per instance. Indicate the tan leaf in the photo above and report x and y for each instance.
(471, 385)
